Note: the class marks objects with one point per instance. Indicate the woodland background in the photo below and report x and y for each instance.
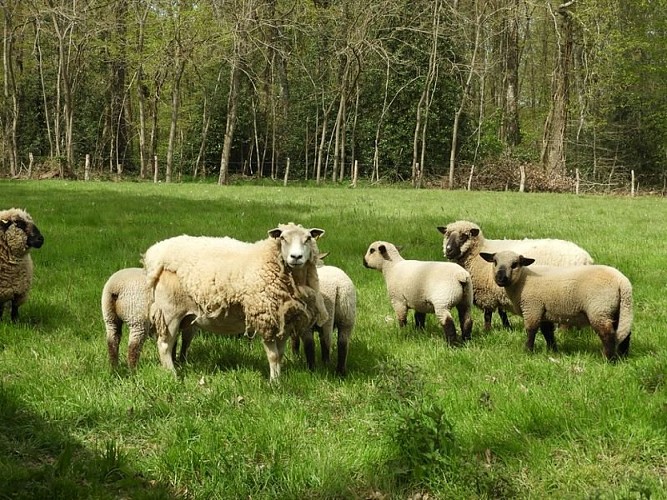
(434, 92)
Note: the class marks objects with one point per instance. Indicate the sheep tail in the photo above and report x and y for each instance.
(624, 311)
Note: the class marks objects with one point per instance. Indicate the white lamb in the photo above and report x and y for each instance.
(340, 300)
(595, 295)
(426, 287)
(226, 286)
(126, 298)
(463, 241)
(18, 235)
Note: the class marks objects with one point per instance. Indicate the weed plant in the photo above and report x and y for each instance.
(414, 418)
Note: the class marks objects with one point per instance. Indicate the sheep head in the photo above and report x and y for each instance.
(460, 237)
(507, 266)
(297, 244)
(379, 253)
(18, 232)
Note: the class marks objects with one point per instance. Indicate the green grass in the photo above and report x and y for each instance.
(413, 416)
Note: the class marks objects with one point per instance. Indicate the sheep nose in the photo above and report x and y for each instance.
(296, 257)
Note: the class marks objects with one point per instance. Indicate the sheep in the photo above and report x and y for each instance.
(426, 287)
(463, 240)
(126, 298)
(340, 300)
(18, 235)
(227, 286)
(597, 296)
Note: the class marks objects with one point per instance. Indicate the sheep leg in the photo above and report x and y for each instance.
(309, 349)
(296, 344)
(449, 330)
(503, 317)
(167, 336)
(401, 311)
(547, 329)
(325, 332)
(187, 333)
(465, 320)
(274, 352)
(530, 338)
(420, 320)
(343, 340)
(15, 309)
(624, 346)
(488, 313)
(606, 332)
(138, 334)
(114, 332)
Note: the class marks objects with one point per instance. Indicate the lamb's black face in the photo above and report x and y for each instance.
(458, 242)
(21, 234)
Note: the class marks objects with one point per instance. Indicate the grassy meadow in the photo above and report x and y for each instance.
(414, 418)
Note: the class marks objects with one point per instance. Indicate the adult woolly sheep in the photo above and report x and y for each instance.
(597, 296)
(227, 286)
(126, 298)
(340, 300)
(426, 287)
(18, 235)
(463, 241)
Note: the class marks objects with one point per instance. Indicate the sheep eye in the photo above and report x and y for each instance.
(464, 237)
(372, 250)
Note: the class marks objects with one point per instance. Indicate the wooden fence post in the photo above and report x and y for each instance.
(86, 168)
(522, 182)
(286, 173)
(155, 169)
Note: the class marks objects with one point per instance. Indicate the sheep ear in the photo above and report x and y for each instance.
(275, 233)
(5, 223)
(442, 229)
(322, 255)
(525, 261)
(382, 249)
(487, 256)
(316, 233)
(474, 231)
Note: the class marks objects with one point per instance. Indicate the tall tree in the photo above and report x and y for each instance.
(553, 139)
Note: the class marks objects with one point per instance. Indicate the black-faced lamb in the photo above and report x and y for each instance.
(340, 300)
(228, 286)
(18, 235)
(464, 240)
(596, 296)
(126, 298)
(426, 287)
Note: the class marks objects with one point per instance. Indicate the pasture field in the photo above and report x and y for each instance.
(414, 418)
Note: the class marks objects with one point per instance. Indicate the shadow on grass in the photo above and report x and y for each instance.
(38, 460)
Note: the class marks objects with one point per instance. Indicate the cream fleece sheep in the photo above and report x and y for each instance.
(463, 241)
(126, 298)
(18, 234)
(226, 286)
(595, 295)
(340, 300)
(426, 287)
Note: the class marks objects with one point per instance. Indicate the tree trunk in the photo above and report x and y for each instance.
(232, 107)
(510, 132)
(175, 105)
(553, 140)
(464, 96)
(10, 90)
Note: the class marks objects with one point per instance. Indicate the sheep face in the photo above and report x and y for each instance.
(19, 232)
(297, 244)
(507, 266)
(378, 254)
(458, 239)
